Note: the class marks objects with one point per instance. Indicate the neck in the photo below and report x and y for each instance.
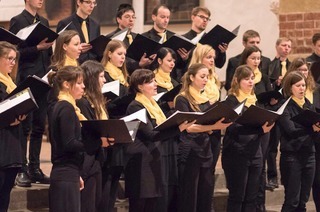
(81, 14)
(31, 10)
(197, 30)
(158, 29)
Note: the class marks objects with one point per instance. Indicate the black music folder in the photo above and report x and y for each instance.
(121, 131)
(169, 95)
(218, 111)
(35, 33)
(8, 36)
(99, 44)
(38, 87)
(256, 116)
(21, 103)
(218, 35)
(176, 119)
(176, 42)
(307, 118)
(266, 97)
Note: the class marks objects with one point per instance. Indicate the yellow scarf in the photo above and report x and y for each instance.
(251, 98)
(300, 102)
(211, 90)
(116, 73)
(163, 79)
(6, 79)
(257, 75)
(199, 97)
(152, 107)
(63, 95)
(70, 62)
(309, 95)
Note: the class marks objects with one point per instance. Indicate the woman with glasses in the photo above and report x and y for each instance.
(10, 147)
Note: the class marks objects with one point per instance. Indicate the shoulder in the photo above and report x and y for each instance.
(134, 106)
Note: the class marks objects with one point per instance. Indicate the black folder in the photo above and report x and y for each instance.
(218, 35)
(176, 119)
(307, 118)
(35, 33)
(170, 95)
(315, 70)
(256, 116)
(218, 111)
(8, 36)
(19, 104)
(121, 131)
(266, 97)
(99, 44)
(38, 87)
(142, 44)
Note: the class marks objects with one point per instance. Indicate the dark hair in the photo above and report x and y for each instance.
(68, 73)
(91, 71)
(247, 52)
(156, 9)
(59, 55)
(163, 52)
(315, 38)
(196, 10)
(242, 72)
(123, 8)
(186, 82)
(290, 79)
(139, 77)
(249, 34)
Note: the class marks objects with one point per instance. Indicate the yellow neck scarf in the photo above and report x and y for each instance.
(212, 90)
(116, 73)
(70, 62)
(7, 80)
(199, 97)
(163, 79)
(251, 98)
(300, 102)
(309, 95)
(152, 107)
(257, 75)
(63, 95)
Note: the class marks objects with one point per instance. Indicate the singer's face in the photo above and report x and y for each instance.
(200, 79)
(7, 62)
(73, 48)
(298, 89)
(167, 63)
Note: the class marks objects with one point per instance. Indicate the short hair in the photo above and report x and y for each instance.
(247, 52)
(123, 8)
(242, 72)
(196, 10)
(249, 34)
(282, 39)
(156, 9)
(139, 77)
(315, 38)
(290, 79)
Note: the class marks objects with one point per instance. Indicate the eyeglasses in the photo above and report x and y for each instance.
(204, 18)
(94, 3)
(129, 17)
(11, 59)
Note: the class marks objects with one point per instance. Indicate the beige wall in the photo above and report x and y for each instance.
(289, 6)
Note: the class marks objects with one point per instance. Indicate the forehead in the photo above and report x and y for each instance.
(163, 11)
(128, 12)
(253, 39)
(285, 42)
(202, 71)
(202, 13)
(254, 54)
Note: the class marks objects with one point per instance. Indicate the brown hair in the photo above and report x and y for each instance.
(186, 82)
(249, 34)
(196, 10)
(247, 52)
(242, 72)
(139, 77)
(290, 79)
(5, 48)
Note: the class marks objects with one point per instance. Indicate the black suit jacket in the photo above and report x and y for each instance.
(32, 61)
(234, 62)
(153, 34)
(93, 30)
(275, 71)
(130, 63)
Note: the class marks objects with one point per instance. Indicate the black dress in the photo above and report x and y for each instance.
(10, 157)
(143, 171)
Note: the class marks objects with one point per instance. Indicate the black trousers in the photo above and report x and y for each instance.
(297, 174)
(243, 179)
(216, 149)
(7, 177)
(316, 183)
(110, 184)
(273, 151)
(34, 125)
(196, 186)
(142, 204)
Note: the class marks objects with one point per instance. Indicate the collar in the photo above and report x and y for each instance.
(81, 19)
(30, 17)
